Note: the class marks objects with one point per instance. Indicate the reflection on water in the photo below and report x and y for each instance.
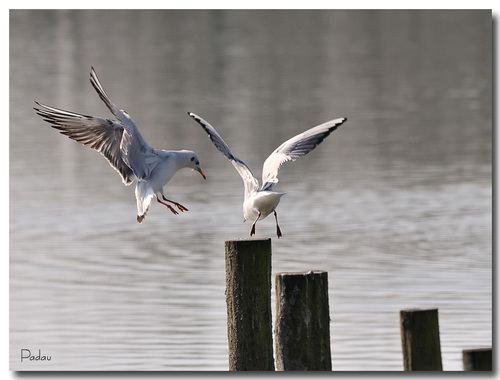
(395, 205)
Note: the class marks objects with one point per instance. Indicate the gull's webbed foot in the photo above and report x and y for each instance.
(178, 205)
(252, 231)
(168, 206)
(278, 230)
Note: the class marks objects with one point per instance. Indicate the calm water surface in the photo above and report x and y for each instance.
(396, 204)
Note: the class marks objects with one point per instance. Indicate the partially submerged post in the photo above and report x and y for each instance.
(420, 340)
(479, 359)
(248, 299)
(302, 322)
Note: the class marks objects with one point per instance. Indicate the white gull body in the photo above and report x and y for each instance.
(121, 143)
(259, 202)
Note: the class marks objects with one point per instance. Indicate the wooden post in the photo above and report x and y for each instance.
(302, 322)
(248, 299)
(420, 340)
(478, 359)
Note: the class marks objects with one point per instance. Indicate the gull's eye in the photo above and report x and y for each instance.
(192, 158)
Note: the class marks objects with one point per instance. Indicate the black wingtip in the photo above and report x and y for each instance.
(342, 121)
(40, 109)
(195, 117)
(38, 104)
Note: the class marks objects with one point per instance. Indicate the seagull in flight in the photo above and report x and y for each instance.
(121, 143)
(261, 201)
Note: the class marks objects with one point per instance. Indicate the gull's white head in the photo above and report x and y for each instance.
(193, 162)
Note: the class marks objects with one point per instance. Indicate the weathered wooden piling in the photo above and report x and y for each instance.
(420, 340)
(302, 329)
(248, 299)
(477, 359)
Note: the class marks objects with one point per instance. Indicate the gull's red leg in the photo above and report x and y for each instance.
(278, 231)
(179, 206)
(252, 231)
(168, 206)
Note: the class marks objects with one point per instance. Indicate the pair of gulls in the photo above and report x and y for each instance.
(121, 143)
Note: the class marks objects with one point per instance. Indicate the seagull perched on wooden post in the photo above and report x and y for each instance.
(259, 202)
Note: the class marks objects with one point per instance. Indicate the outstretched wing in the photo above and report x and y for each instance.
(251, 183)
(102, 135)
(133, 146)
(295, 148)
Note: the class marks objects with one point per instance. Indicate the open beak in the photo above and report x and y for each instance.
(202, 174)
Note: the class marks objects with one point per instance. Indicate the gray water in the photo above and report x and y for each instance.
(396, 204)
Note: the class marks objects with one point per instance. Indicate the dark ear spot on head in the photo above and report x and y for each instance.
(192, 158)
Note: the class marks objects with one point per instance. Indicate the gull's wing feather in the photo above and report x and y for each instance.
(295, 148)
(102, 135)
(251, 183)
(133, 146)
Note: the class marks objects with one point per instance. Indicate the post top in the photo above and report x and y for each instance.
(248, 240)
(419, 310)
(305, 273)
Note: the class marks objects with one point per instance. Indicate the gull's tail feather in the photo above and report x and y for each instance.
(144, 195)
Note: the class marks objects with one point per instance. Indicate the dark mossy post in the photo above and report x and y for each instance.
(420, 340)
(478, 359)
(248, 298)
(302, 322)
